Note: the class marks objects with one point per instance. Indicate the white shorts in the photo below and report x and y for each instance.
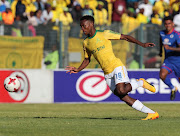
(119, 75)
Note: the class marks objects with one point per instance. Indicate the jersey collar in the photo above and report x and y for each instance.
(170, 32)
(93, 35)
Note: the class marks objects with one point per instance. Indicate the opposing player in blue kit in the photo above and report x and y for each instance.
(170, 40)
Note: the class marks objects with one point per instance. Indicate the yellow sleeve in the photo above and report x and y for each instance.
(70, 18)
(111, 35)
(87, 53)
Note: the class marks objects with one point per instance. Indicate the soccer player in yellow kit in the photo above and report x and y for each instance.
(99, 45)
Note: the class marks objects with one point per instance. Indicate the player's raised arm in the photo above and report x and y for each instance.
(133, 40)
(84, 64)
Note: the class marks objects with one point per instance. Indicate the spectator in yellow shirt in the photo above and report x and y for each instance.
(65, 17)
(100, 15)
(176, 5)
(129, 22)
(55, 17)
(61, 4)
(155, 18)
(92, 4)
(141, 17)
(30, 7)
(160, 6)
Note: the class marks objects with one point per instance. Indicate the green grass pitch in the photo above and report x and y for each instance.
(87, 120)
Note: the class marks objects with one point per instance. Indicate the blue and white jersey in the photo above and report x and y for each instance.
(173, 40)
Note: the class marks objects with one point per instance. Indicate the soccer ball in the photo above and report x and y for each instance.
(12, 84)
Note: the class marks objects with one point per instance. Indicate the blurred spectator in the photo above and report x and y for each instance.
(17, 25)
(3, 5)
(8, 17)
(129, 22)
(176, 21)
(1, 26)
(47, 14)
(31, 23)
(39, 17)
(105, 4)
(30, 7)
(159, 7)
(6, 3)
(87, 10)
(51, 60)
(169, 12)
(135, 62)
(130, 3)
(1, 20)
(76, 13)
(32, 19)
(175, 5)
(155, 18)
(141, 17)
(61, 4)
(39, 5)
(100, 15)
(19, 10)
(92, 4)
(55, 17)
(152, 2)
(119, 7)
(81, 2)
(65, 17)
(136, 8)
(147, 8)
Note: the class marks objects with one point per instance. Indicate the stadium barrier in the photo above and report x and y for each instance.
(69, 39)
(36, 86)
(46, 86)
(90, 86)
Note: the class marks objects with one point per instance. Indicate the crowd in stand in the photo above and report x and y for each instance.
(105, 12)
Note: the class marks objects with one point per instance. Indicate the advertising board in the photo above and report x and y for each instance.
(90, 86)
(36, 86)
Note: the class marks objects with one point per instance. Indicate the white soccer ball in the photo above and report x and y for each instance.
(12, 84)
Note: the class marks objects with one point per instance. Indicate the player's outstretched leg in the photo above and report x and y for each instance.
(136, 104)
(147, 85)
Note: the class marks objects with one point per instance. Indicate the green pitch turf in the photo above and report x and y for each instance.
(87, 120)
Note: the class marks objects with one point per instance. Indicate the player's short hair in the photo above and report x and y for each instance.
(87, 17)
(168, 18)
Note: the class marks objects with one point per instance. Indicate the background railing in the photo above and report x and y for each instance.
(69, 40)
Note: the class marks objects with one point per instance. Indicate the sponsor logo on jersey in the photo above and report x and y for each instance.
(166, 41)
(171, 36)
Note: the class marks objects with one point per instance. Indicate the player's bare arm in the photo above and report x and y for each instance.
(83, 65)
(167, 47)
(133, 40)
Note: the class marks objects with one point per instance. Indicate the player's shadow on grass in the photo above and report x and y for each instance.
(94, 118)
(115, 118)
(45, 117)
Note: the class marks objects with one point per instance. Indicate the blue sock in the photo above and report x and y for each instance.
(168, 83)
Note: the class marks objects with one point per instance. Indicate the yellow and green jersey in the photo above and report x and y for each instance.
(101, 48)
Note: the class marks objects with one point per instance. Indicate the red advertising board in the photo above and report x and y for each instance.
(21, 94)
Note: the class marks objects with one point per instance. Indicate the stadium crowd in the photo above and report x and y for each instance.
(105, 12)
